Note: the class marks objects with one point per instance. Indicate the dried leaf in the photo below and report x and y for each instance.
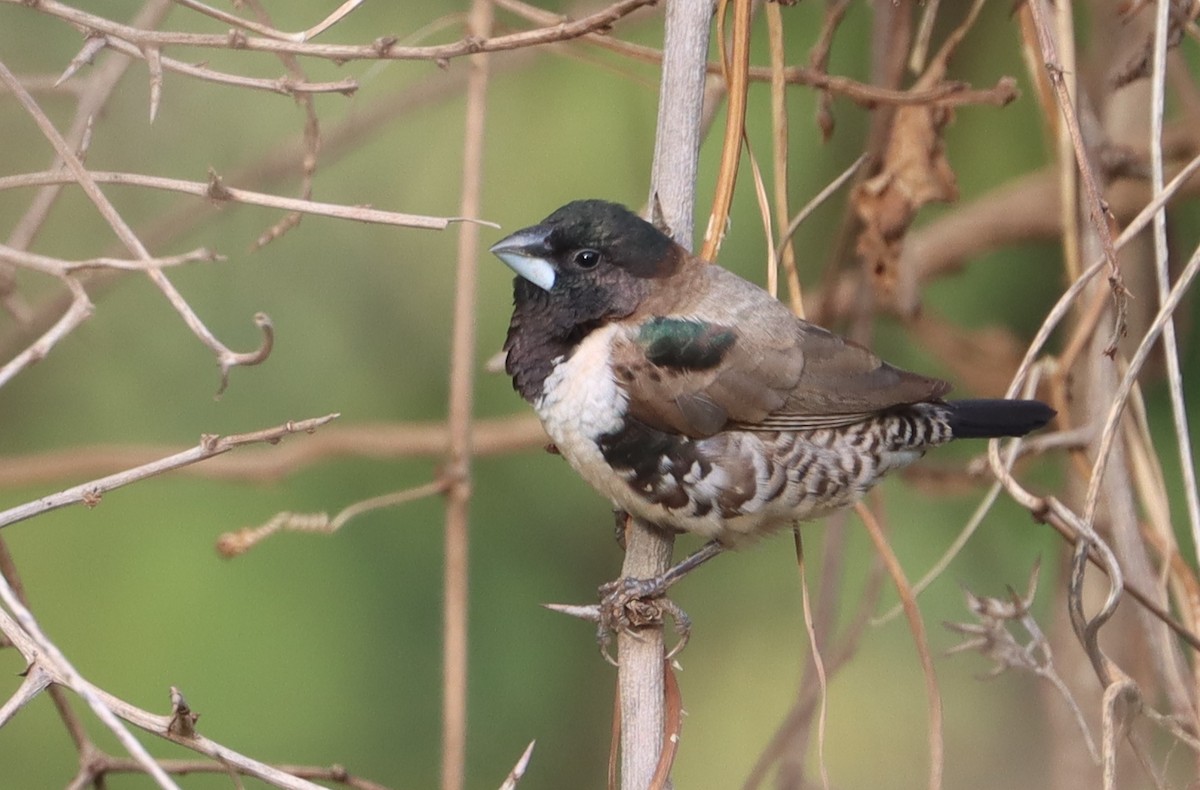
(914, 172)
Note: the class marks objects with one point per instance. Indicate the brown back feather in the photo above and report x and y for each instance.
(782, 373)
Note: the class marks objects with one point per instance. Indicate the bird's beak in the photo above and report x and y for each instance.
(527, 254)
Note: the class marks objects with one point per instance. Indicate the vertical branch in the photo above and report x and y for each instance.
(1068, 178)
(458, 471)
(1096, 206)
(648, 549)
(735, 69)
(680, 102)
(1162, 271)
(779, 152)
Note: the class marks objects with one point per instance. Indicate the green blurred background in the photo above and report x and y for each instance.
(320, 650)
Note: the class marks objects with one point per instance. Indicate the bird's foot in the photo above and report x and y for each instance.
(631, 605)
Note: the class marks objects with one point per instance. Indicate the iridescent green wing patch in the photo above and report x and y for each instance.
(685, 344)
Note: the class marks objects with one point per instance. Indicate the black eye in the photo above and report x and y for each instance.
(586, 259)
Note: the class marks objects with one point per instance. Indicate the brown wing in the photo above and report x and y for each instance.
(757, 368)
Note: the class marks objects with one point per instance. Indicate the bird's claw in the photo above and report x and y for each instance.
(630, 605)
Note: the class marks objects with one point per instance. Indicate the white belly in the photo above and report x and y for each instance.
(581, 402)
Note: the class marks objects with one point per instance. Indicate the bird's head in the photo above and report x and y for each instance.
(589, 261)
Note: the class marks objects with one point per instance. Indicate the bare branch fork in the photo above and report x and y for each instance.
(383, 48)
(47, 664)
(147, 45)
(226, 358)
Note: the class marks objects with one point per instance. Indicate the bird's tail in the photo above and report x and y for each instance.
(989, 419)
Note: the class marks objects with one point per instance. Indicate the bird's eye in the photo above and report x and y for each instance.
(586, 259)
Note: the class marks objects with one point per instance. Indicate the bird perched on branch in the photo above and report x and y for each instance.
(693, 399)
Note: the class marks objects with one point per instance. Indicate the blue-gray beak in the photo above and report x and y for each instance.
(526, 253)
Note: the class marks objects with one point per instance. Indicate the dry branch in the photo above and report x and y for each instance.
(1163, 28)
(232, 544)
(949, 94)
(40, 653)
(216, 190)
(227, 359)
(383, 48)
(92, 492)
(78, 312)
(265, 29)
(157, 63)
(457, 469)
(1094, 204)
(384, 441)
(641, 674)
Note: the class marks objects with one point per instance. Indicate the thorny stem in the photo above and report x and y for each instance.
(383, 48)
(90, 493)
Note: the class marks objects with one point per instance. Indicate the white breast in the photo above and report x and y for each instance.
(581, 402)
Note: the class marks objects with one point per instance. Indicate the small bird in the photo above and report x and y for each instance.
(693, 399)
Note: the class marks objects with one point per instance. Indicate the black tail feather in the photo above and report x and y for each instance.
(990, 419)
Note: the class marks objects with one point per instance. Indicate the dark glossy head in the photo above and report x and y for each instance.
(587, 263)
(591, 254)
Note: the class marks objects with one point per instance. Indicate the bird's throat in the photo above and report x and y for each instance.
(539, 334)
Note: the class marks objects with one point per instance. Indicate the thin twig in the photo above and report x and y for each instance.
(79, 311)
(93, 97)
(1096, 206)
(821, 197)
(233, 544)
(100, 765)
(818, 662)
(36, 681)
(216, 190)
(23, 631)
(227, 359)
(266, 30)
(70, 719)
(91, 492)
(1063, 306)
(38, 650)
(311, 136)
(1163, 278)
(736, 63)
(378, 441)
(917, 626)
(1121, 396)
(785, 252)
(383, 48)
(948, 94)
(59, 267)
(284, 86)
